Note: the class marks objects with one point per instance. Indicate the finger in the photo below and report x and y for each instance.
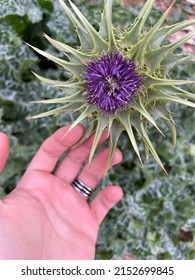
(104, 201)
(96, 170)
(4, 150)
(54, 146)
(72, 163)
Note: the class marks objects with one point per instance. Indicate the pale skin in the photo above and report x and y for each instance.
(45, 217)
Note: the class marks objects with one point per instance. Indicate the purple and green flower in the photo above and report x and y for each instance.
(119, 80)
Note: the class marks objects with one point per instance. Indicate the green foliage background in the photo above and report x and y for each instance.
(156, 218)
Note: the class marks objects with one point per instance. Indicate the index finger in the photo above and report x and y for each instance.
(53, 147)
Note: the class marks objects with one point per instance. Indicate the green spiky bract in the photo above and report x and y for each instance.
(154, 57)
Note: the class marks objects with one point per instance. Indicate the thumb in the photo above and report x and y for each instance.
(4, 149)
(104, 201)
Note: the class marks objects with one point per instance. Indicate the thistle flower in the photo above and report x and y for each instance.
(120, 79)
(111, 82)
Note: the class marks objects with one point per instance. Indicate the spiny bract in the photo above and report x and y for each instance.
(120, 81)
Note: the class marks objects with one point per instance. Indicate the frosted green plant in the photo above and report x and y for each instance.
(119, 79)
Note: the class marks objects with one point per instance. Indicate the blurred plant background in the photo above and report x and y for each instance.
(156, 218)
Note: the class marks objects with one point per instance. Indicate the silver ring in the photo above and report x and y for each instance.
(81, 188)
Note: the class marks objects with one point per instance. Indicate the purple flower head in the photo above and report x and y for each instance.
(111, 82)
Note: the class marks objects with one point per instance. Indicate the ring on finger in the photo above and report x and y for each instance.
(82, 188)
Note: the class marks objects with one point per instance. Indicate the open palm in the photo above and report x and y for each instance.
(45, 217)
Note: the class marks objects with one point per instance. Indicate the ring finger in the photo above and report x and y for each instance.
(95, 171)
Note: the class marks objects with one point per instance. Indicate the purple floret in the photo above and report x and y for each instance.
(111, 82)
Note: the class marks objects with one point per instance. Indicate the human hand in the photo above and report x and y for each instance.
(44, 217)
(4, 150)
